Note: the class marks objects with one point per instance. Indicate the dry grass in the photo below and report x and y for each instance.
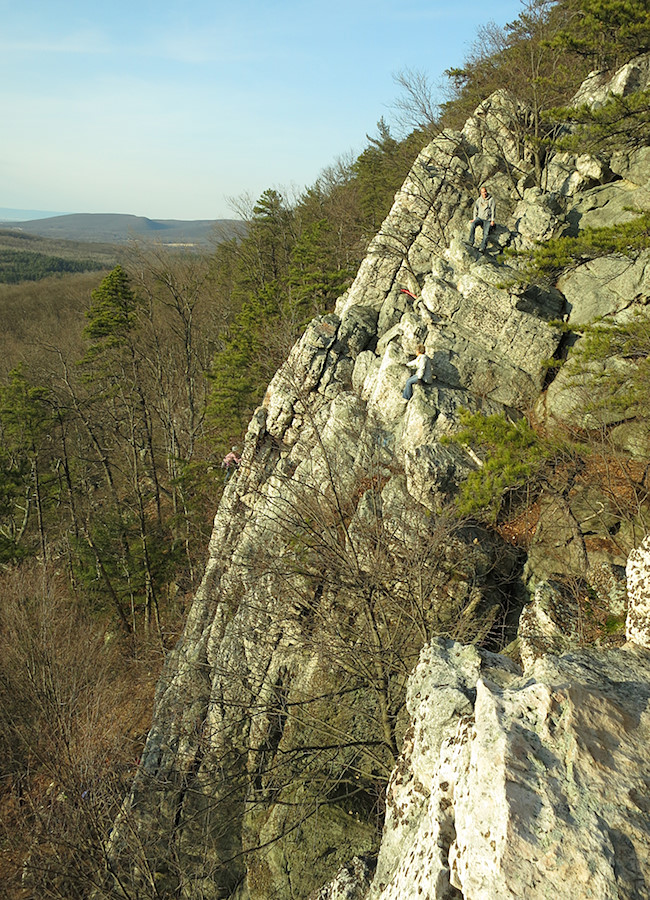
(519, 528)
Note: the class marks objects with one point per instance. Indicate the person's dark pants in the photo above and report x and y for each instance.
(485, 225)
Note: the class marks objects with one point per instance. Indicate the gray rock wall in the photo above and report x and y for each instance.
(333, 561)
(525, 783)
(521, 785)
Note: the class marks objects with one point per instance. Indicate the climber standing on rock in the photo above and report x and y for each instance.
(231, 462)
(484, 214)
(422, 366)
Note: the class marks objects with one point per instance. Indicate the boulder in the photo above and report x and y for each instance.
(539, 216)
(600, 85)
(351, 883)
(633, 166)
(605, 286)
(608, 205)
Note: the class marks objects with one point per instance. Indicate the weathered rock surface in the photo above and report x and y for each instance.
(525, 783)
(630, 78)
(638, 578)
(332, 562)
(521, 785)
(351, 883)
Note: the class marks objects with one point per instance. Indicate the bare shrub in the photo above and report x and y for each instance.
(73, 714)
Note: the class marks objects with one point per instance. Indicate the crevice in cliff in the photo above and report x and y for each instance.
(276, 713)
(447, 840)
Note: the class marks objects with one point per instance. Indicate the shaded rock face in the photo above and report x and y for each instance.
(335, 559)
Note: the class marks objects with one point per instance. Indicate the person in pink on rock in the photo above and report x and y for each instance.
(231, 461)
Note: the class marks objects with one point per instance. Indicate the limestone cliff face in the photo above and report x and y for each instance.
(523, 784)
(519, 783)
(335, 561)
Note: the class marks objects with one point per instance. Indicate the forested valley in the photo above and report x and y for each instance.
(125, 378)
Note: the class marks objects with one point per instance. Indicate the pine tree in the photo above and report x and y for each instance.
(26, 423)
(129, 536)
(608, 33)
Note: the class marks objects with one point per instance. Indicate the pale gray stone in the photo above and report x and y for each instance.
(549, 624)
(605, 286)
(608, 205)
(358, 327)
(633, 165)
(504, 784)
(538, 217)
(493, 129)
(363, 365)
(351, 883)
(599, 86)
(638, 578)
(515, 786)
(568, 174)
(577, 398)
(633, 438)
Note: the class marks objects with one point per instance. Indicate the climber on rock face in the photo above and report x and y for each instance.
(231, 462)
(422, 366)
(484, 213)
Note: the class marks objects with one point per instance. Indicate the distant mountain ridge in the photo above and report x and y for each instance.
(117, 228)
(8, 214)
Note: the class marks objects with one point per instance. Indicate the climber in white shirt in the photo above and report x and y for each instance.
(422, 366)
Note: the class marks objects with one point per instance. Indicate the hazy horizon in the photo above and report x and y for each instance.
(8, 214)
(28, 215)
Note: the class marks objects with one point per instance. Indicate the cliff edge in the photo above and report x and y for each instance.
(338, 566)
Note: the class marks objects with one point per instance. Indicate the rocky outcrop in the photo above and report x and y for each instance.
(638, 577)
(334, 560)
(525, 783)
(516, 785)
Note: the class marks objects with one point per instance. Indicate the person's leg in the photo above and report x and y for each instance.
(408, 390)
(486, 231)
(472, 230)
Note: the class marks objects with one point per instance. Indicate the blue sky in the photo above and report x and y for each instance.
(168, 109)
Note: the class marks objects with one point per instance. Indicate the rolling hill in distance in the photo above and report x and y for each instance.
(117, 228)
(22, 215)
